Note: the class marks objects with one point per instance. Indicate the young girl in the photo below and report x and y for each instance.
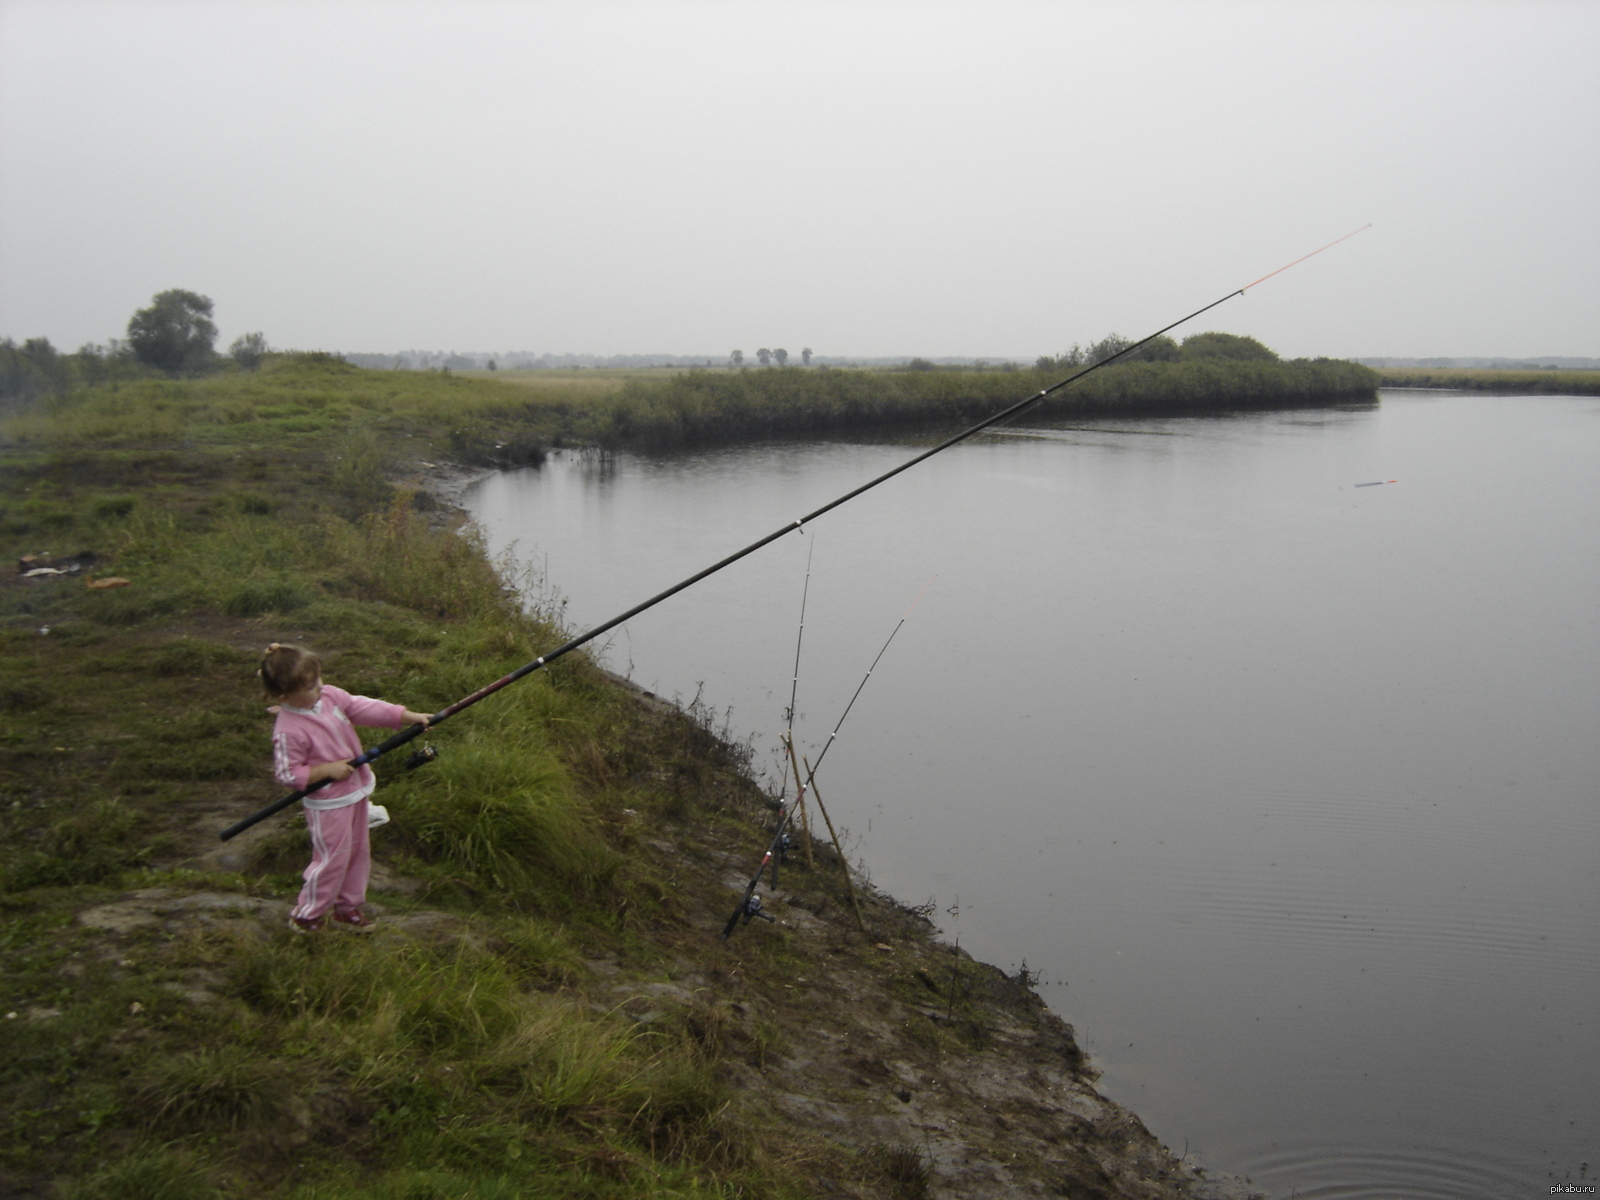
(314, 740)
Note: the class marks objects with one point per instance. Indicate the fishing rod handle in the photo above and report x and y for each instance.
(361, 760)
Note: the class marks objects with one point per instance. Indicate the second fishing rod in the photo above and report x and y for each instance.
(544, 660)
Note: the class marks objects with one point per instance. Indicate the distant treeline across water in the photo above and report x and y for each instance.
(510, 418)
(1484, 379)
(704, 406)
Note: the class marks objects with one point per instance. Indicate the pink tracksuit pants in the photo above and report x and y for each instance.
(341, 861)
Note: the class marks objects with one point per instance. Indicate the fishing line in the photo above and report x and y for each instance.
(544, 660)
(829, 743)
(1303, 257)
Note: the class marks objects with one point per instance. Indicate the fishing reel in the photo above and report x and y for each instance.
(421, 757)
(785, 844)
(751, 910)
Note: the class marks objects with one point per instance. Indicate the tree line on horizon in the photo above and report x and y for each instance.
(173, 336)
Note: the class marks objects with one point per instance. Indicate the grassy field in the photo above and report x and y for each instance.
(1475, 379)
(545, 1011)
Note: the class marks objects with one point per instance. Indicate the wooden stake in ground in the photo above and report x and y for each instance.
(837, 849)
(800, 799)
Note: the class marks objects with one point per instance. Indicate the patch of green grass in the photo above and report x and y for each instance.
(159, 1173)
(88, 846)
(254, 597)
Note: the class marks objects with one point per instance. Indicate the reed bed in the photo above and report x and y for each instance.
(1481, 379)
(703, 406)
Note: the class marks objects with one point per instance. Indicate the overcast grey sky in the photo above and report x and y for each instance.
(863, 178)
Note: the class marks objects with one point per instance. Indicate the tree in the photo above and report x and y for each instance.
(30, 370)
(249, 349)
(764, 355)
(1225, 346)
(1157, 349)
(781, 355)
(805, 357)
(175, 334)
(737, 358)
(1107, 347)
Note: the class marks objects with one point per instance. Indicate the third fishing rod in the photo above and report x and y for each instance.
(544, 660)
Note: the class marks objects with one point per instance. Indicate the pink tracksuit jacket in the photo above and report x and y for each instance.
(306, 737)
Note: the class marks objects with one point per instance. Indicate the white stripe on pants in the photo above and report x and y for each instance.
(341, 861)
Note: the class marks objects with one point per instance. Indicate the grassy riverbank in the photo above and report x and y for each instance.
(1477, 379)
(546, 1009)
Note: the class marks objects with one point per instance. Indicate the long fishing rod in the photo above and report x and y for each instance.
(544, 660)
(794, 685)
(788, 714)
(750, 903)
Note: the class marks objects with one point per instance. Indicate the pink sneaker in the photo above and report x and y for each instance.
(303, 925)
(355, 919)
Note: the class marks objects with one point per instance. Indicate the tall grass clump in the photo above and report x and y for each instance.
(498, 812)
(395, 555)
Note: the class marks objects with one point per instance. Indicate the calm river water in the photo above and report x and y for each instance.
(1287, 787)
